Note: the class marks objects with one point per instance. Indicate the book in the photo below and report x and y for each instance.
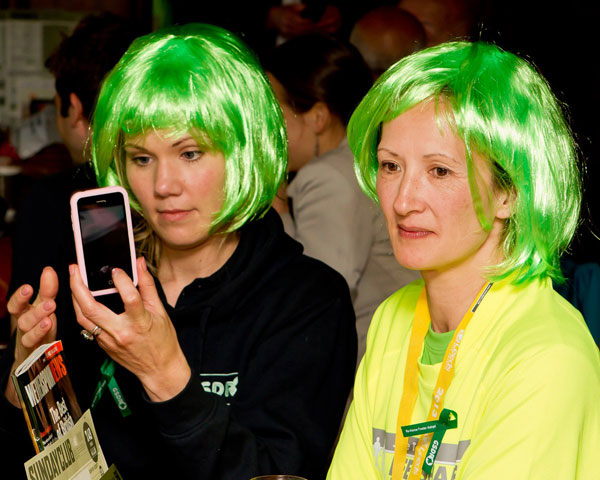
(112, 474)
(46, 395)
(76, 455)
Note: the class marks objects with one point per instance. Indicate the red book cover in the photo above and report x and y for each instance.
(46, 394)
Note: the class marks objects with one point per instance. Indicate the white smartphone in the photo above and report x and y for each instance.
(103, 237)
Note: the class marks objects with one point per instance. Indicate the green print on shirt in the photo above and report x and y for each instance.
(449, 455)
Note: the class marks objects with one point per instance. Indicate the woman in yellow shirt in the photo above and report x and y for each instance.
(467, 151)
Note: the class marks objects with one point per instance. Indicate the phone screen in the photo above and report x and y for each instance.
(104, 237)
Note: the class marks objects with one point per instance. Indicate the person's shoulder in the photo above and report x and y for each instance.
(397, 311)
(59, 187)
(334, 170)
(306, 294)
(45, 209)
(403, 299)
(79, 177)
(390, 328)
(315, 275)
(339, 160)
(530, 340)
(48, 200)
(280, 261)
(564, 361)
(537, 321)
(318, 173)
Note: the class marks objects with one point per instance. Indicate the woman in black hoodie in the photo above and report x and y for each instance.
(237, 353)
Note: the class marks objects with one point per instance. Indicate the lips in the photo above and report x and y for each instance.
(410, 232)
(173, 215)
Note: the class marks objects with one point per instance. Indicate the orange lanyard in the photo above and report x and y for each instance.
(410, 391)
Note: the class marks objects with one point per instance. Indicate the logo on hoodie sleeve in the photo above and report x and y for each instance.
(222, 384)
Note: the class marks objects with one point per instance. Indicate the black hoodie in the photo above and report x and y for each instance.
(271, 341)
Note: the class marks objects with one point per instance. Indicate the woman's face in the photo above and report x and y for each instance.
(423, 188)
(301, 136)
(179, 186)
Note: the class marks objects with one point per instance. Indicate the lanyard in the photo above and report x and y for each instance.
(108, 378)
(410, 392)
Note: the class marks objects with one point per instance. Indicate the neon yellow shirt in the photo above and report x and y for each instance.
(526, 389)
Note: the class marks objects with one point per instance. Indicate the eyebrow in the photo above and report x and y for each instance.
(182, 140)
(133, 146)
(439, 154)
(429, 155)
(383, 149)
(177, 143)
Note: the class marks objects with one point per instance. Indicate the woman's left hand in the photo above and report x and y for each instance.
(142, 339)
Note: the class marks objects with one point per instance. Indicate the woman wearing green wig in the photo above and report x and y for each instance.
(236, 355)
(480, 370)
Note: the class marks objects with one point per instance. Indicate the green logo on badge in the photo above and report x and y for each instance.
(90, 442)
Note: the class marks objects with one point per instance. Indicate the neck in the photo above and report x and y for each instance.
(79, 143)
(330, 138)
(179, 268)
(77, 156)
(451, 291)
(449, 299)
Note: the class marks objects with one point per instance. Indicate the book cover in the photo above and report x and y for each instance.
(46, 395)
(75, 456)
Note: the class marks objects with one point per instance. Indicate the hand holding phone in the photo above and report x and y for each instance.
(103, 232)
(152, 351)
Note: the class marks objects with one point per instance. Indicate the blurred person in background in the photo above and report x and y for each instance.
(79, 66)
(264, 23)
(293, 18)
(385, 35)
(318, 81)
(444, 20)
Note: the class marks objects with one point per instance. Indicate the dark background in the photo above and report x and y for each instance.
(562, 42)
(559, 38)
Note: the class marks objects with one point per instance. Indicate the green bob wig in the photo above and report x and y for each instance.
(503, 110)
(202, 80)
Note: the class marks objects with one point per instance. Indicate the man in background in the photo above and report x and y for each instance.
(385, 35)
(43, 234)
(79, 65)
(445, 20)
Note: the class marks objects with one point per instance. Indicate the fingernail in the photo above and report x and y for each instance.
(48, 306)
(45, 323)
(144, 266)
(25, 290)
(115, 272)
(71, 269)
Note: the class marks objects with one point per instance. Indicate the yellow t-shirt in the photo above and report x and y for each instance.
(526, 389)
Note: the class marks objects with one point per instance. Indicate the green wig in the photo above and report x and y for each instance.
(202, 80)
(503, 110)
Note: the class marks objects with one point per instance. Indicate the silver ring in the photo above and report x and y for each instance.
(90, 335)
(96, 331)
(87, 335)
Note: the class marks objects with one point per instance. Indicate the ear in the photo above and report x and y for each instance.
(504, 203)
(319, 117)
(76, 114)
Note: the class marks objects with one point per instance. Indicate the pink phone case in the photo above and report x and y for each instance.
(79, 241)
